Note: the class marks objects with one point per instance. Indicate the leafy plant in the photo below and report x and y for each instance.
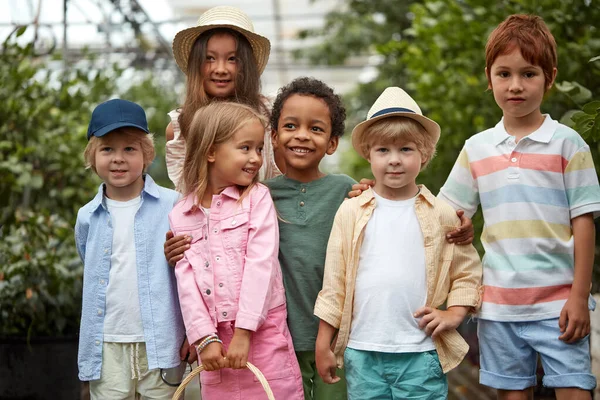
(587, 120)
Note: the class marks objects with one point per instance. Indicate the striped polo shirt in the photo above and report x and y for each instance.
(529, 191)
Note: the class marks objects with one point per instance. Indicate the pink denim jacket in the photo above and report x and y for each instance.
(231, 271)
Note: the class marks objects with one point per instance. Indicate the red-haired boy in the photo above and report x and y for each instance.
(538, 190)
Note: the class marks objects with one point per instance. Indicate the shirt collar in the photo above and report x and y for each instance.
(543, 134)
(190, 203)
(150, 187)
(426, 194)
(367, 196)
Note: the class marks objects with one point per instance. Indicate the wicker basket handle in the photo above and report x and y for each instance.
(200, 368)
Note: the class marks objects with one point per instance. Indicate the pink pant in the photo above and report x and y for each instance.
(271, 351)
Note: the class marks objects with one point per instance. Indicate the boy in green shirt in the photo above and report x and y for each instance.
(307, 122)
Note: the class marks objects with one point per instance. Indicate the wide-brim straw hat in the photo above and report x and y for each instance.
(393, 102)
(221, 17)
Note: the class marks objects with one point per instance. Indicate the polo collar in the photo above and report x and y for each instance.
(543, 134)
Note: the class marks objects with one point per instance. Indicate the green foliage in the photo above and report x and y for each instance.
(43, 182)
(586, 121)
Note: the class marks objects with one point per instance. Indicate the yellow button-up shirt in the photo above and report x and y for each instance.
(453, 272)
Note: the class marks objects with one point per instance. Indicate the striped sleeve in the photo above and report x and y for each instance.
(581, 184)
(460, 189)
(175, 151)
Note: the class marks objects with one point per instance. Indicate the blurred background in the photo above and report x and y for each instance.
(60, 58)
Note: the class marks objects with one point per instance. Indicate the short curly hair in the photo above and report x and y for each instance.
(306, 86)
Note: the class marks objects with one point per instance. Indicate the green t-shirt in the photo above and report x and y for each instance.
(306, 212)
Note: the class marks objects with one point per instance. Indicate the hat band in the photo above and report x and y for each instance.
(391, 110)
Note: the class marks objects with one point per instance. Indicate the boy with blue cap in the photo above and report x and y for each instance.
(131, 324)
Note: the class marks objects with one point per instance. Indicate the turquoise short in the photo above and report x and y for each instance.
(393, 376)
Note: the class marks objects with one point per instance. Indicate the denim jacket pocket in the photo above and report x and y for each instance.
(199, 236)
(235, 230)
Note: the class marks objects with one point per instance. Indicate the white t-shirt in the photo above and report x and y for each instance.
(391, 282)
(123, 320)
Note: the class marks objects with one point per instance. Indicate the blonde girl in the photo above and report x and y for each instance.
(229, 280)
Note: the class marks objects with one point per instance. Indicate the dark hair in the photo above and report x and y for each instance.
(306, 86)
(247, 80)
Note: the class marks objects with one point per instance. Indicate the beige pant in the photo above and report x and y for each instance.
(125, 375)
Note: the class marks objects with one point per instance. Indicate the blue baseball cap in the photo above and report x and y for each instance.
(114, 114)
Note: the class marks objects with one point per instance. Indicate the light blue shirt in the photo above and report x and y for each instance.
(161, 316)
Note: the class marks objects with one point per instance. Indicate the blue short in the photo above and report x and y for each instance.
(372, 375)
(508, 356)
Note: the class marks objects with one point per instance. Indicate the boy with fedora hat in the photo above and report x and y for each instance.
(131, 324)
(389, 268)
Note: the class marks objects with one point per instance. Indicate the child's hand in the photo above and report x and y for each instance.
(326, 365)
(175, 246)
(465, 233)
(187, 352)
(213, 357)
(574, 321)
(436, 321)
(358, 188)
(237, 354)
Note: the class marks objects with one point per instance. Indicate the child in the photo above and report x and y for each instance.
(131, 326)
(388, 264)
(307, 122)
(230, 283)
(223, 59)
(537, 186)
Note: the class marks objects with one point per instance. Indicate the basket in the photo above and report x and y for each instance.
(200, 368)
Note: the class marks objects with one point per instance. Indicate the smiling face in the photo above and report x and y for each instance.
(518, 86)
(220, 66)
(237, 161)
(303, 136)
(395, 167)
(119, 162)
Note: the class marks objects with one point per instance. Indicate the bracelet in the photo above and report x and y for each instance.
(205, 343)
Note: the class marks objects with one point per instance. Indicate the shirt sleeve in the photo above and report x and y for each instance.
(581, 184)
(81, 233)
(261, 262)
(175, 150)
(460, 189)
(196, 317)
(330, 301)
(465, 277)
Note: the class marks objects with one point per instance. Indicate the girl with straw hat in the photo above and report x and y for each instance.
(223, 59)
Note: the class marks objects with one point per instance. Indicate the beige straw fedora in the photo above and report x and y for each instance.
(221, 17)
(393, 102)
